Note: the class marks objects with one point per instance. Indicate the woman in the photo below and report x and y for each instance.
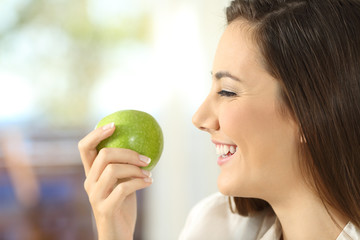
(282, 112)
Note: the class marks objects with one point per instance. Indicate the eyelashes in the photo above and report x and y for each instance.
(224, 93)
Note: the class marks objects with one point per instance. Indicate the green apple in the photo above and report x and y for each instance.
(135, 130)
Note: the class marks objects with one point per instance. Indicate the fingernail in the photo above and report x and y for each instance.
(146, 173)
(108, 126)
(144, 159)
(148, 180)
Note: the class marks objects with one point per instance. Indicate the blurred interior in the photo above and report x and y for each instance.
(63, 66)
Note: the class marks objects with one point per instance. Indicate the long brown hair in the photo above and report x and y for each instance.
(313, 48)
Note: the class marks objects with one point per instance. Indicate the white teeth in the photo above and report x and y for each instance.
(232, 149)
(225, 149)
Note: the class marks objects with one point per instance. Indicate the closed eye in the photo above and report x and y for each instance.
(224, 93)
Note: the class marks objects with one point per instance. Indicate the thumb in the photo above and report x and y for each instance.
(87, 145)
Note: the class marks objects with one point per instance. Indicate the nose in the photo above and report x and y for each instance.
(205, 117)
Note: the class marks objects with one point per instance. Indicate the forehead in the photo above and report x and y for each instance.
(237, 50)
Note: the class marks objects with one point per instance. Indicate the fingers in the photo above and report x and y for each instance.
(114, 175)
(121, 191)
(107, 156)
(87, 145)
(116, 183)
(112, 166)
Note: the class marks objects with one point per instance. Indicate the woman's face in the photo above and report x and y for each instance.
(242, 114)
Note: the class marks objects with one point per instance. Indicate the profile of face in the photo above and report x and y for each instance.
(257, 143)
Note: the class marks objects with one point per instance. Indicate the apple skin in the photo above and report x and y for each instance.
(135, 130)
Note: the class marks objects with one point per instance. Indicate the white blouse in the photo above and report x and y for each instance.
(211, 219)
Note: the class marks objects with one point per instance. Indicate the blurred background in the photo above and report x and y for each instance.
(66, 64)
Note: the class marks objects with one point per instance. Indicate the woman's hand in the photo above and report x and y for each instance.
(112, 177)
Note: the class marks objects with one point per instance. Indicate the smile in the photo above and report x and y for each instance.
(225, 150)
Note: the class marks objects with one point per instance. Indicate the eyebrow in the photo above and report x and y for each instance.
(223, 74)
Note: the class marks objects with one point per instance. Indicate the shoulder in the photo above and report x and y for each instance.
(214, 205)
(350, 232)
(212, 218)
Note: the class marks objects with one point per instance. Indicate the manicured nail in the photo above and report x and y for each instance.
(108, 126)
(146, 173)
(148, 180)
(144, 159)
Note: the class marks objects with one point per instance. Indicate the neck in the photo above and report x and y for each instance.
(303, 216)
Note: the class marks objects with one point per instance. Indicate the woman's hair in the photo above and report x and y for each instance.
(313, 48)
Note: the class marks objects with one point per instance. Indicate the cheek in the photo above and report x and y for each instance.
(267, 147)
(233, 121)
(247, 122)
(266, 140)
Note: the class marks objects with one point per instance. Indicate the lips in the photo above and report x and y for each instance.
(225, 151)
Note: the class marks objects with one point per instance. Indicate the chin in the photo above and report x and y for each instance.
(235, 187)
(225, 186)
